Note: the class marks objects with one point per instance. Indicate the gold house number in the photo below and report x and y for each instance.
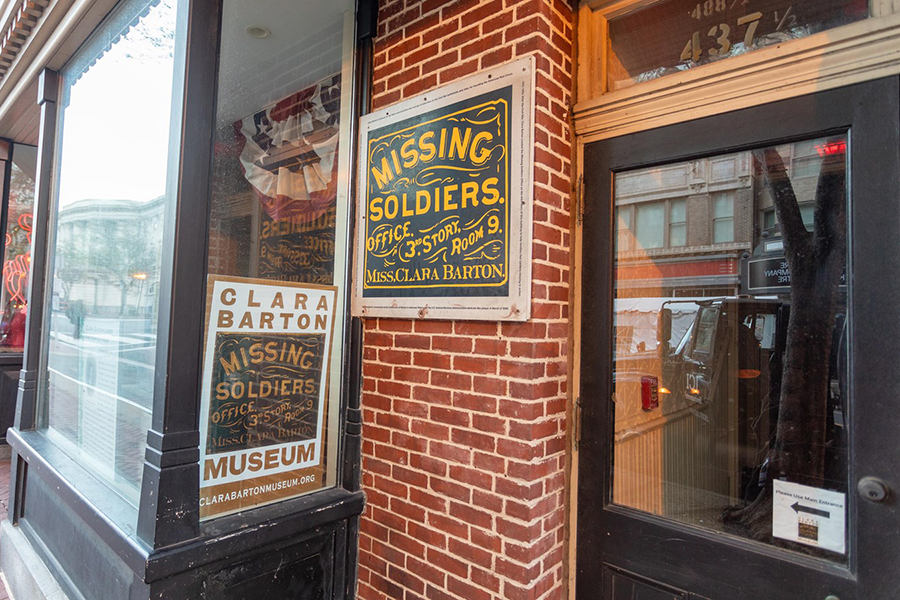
(721, 33)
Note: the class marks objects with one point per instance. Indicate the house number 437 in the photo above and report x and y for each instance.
(720, 34)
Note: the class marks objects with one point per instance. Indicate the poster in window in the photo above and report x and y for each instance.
(265, 385)
(445, 215)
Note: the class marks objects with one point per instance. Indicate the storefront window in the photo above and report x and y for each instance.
(17, 254)
(278, 251)
(113, 167)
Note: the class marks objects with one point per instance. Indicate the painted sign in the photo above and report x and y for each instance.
(446, 220)
(264, 392)
(809, 515)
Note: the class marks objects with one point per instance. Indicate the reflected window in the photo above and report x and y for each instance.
(17, 249)
(723, 217)
(649, 226)
(677, 223)
(100, 329)
(623, 228)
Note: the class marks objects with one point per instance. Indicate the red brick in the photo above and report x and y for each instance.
(406, 579)
(407, 510)
(471, 439)
(455, 381)
(490, 346)
(489, 424)
(411, 374)
(489, 385)
(427, 535)
(419, 86)
(451, 453)
(472, 516)
(444, 327)
(420, 342)
(475, 364)
(425, 571)
(475, 402)
(410, 477)
(487, 462)
(426, 463)
(465, 590)
(469, 328)
(402, 326)
(449, 416)
(450, 489)
(432, 395)
(486, 539)
(427, 499)
(447, 563)
(431, 360)
(388, 587)
(396, 357)
(430, 430)
(451, 344)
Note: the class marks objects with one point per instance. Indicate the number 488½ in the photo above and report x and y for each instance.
(721, 33)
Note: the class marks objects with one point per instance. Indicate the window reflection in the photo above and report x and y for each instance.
(17, 255)
(101, 322)
(740, 331)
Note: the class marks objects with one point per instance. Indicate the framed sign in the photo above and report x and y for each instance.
(445, 178)
(265, 383)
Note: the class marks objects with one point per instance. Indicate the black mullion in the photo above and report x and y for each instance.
(170, 511)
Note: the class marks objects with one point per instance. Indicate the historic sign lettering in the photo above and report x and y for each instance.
(446, 216)
(264, 392)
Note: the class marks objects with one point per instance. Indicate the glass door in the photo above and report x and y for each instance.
(729, 381)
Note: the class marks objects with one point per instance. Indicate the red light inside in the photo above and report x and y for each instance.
(649, 392)
(830, 148)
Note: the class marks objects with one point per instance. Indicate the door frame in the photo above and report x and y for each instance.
(658, 549)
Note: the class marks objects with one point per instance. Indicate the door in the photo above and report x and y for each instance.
(739, 377)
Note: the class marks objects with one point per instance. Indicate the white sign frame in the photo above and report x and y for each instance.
(252, 298)
(516, 305)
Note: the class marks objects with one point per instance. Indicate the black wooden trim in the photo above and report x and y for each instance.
(298, 518)
(706, 562)
(26, 397)
(170, 509)
(48, 91)
(46, 460)
(4, 200)
(366, 19)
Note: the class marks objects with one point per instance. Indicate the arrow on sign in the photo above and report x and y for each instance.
(799, 508)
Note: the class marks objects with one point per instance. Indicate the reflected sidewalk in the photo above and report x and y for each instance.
(4, 504)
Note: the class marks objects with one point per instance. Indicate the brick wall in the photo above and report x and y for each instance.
(464, 449)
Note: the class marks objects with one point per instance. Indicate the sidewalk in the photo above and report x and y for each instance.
(4, 506)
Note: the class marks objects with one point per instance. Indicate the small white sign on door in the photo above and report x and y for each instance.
(809, 515)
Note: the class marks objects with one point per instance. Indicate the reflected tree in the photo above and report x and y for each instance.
(816, 259)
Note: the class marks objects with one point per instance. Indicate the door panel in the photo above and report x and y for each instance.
(682, 398)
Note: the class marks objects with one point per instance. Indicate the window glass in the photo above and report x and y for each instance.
(655, 39)
(113, 164)
(649, 225)
(279, 225)
(17, 257)
(742, 403)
